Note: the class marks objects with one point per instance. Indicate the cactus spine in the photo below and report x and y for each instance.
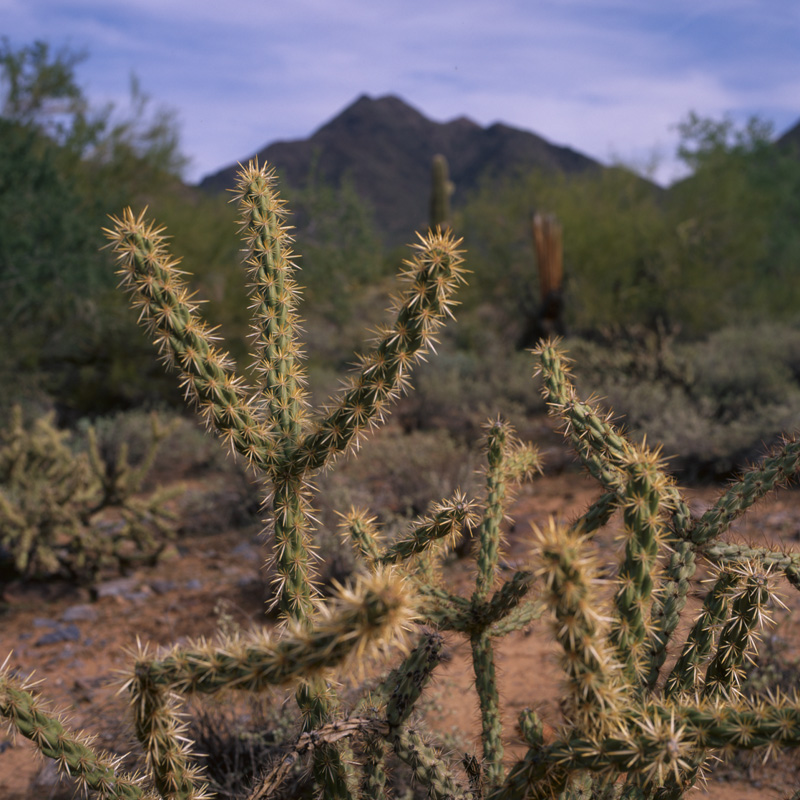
(628, 731)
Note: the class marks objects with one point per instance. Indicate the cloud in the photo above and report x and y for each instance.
(604, 77)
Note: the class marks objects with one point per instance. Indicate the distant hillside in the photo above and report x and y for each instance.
(790, 140)
(385, 146)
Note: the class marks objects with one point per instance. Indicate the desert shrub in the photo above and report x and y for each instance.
(70, 509)
(714, 404)
(185, 450)
(743, 369)
(456, 393)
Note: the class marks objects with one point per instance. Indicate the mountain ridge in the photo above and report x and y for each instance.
(385, 146)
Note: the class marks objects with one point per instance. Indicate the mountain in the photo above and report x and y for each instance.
(790, 140)
(385, 147)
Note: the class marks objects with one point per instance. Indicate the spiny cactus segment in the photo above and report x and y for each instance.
(628, 729)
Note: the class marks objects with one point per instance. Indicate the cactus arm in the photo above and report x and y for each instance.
(683, 679)
(508, 598)
(489, 530)
(158, 726)
(598, 514)
(433, 274)
(444, 610)
(599, 445)
(643, 533)
(427, 765)
(403, 688)
(371, 614)
(724, 553)
(504, 613)
(595, 696)
(655, 742)
(274, 295)
(489, 701)
(185, 341)
(740, 635)
(405, 684)
(72, 753)
(774, 472)
(359, 529)
(521, 462)
(373, 780)
(668, 603)
(446, 520)
(724, 672)
(292, 585)
(520, 617)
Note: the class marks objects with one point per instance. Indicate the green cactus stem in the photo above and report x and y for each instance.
(595, 695)
(427, 765)
(445, 522)
(489, 701)
(73, 753)
(489, 532)
(775, 471)
(642, 514)
(359, 529)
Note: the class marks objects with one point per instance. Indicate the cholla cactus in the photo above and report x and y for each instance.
(52, 502)
(628, 730)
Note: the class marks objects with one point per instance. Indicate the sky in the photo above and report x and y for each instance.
(609, 78)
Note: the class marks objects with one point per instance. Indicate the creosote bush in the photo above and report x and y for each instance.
(631, 727)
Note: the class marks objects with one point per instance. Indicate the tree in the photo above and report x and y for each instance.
(718, 248)
(62, 166)
(735, 219)
(613, 240)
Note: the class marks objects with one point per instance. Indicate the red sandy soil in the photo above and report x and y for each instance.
(181, 598)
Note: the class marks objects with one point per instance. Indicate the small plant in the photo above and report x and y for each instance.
(75, 514)
(630, 727)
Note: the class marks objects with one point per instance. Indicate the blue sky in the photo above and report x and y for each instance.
(610, 78)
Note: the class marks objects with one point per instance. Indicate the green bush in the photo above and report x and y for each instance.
(714, 404)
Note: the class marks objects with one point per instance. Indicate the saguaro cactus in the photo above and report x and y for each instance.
(548, 320)
(441, 191)
(628, 730)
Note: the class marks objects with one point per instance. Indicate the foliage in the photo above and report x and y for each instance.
(340, 249)
(75, 514)
(718, 248)
(61, 165)
(735, 220)
(714, 404)
(630, 729)
(614, 232)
